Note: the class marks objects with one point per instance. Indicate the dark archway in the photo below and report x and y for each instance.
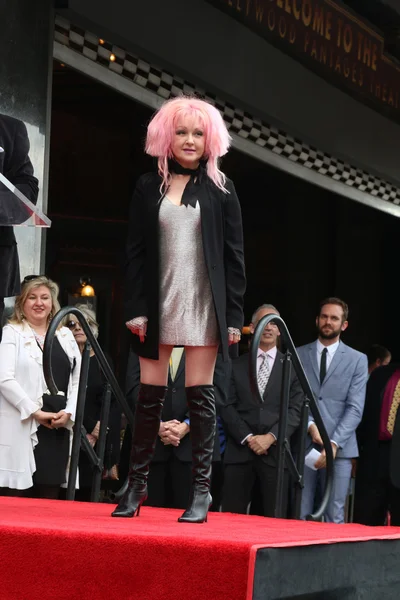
(302, 243)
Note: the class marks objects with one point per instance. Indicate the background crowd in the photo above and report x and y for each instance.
(357, 395)
(36, 427)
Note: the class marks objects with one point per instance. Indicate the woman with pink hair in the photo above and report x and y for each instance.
(185, 283)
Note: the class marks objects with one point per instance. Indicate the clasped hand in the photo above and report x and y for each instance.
(316, 438)
(171, 432)
(260, 444)
(52, 420)
(321, 462)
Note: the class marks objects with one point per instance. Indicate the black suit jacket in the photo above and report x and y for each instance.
(369, 464)
(242, 414)
(221, 227)
(175, 406)
(16, 166)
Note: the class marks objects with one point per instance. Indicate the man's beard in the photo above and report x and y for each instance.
(328, 335)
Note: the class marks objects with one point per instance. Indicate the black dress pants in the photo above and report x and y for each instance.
(217, 483)
(169, 483)
(10, 492)
(239, 482)
(374, 499)
(376, 496)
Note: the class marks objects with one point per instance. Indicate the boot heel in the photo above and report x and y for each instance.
(145, 430)
(201, 401)
(199, 507)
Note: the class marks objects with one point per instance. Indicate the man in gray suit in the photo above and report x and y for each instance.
(338, 377)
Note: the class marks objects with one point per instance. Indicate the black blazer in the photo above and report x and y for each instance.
(369, 465)
(16, 166)
(221, 227)
(175, 407)
(243, 414)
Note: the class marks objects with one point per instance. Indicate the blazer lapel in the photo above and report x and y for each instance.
(336, 360)
(312, 349)
(154, 202)
(206, 209)
(242, 367)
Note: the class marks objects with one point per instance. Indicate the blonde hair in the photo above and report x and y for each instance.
(18, 316)
(90, 316)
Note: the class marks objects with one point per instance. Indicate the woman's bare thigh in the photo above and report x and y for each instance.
(200, 365)
(155, 372)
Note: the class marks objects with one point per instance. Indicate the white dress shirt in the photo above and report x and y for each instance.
(331, 353)
(271, 356)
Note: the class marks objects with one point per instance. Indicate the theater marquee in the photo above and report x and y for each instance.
(329, 39)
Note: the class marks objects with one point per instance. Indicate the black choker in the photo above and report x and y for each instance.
(190, 192)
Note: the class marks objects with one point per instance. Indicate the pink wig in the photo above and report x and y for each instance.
(161, 131)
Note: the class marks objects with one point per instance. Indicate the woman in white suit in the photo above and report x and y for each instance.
(35, 440)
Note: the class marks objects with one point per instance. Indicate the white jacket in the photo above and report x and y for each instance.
(22, 386)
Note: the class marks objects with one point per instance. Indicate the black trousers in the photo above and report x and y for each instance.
(36, 491)
(5, 491)
(239, 480)
(376, 496)
(217, 482)
(169, 483)
(51, 492)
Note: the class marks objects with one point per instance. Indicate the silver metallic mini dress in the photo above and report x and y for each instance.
(187, 313)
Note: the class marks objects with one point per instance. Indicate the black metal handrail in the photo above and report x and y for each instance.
(283, 447)
(112, 386)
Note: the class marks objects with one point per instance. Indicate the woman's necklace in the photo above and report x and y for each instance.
(39, 337)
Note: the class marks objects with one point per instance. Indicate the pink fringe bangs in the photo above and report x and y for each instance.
(161, 130)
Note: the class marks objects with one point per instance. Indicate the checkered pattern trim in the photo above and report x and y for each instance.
(166, 85)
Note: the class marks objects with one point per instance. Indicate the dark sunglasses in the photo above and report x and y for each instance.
(72, 324)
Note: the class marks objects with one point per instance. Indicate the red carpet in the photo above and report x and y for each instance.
(55, 550)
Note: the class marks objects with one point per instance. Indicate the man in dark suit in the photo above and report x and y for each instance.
(170, 473)
(170, 470)
(252, 427)
(378, 436)
(16, 166)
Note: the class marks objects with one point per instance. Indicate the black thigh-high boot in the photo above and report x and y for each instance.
(146, 427)
(201, 401)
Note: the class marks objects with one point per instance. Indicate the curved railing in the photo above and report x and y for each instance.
(296, 468)
(112, 386)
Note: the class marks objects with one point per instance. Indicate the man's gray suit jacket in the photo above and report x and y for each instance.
(341, 396)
